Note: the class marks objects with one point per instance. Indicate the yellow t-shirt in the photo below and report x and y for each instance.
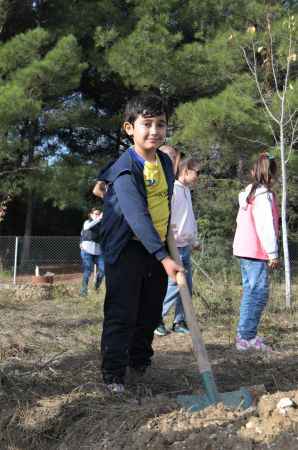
(157, 196)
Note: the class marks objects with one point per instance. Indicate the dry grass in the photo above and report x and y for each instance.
(52, 396)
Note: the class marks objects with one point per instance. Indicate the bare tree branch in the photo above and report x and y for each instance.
(271, 128)
(254, 141)
(254, 72)
(291, 116)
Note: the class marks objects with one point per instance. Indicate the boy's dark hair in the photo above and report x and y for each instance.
(147, 105)
(190, 162)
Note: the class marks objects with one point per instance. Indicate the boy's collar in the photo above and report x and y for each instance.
(141, 156)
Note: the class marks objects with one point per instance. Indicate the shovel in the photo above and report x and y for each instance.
(241, 399)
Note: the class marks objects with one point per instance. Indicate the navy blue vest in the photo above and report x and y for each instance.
(115, 230)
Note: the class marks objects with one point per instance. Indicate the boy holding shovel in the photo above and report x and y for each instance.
(134, 229)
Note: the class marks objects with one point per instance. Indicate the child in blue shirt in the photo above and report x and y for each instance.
(134, 229)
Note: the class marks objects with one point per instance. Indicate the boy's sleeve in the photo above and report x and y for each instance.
(135, 211)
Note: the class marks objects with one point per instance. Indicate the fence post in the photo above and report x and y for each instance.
(15, 260)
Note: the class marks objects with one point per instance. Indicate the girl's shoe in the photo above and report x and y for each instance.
(242, 344)
(180, 327)
(83, 292)
(161, 330)
(256, 343)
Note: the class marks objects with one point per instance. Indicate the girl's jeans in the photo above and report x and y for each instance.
(88, 262)
(255, 296)
(173, 296)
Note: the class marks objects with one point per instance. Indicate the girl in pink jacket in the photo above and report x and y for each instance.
(255, 243)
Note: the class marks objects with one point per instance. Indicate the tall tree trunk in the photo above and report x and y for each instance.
(285, 243)
(27, 231)
(28, 222)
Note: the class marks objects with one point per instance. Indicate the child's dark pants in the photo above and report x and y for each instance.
(136, 285)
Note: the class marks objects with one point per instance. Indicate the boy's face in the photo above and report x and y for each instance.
(148, 133)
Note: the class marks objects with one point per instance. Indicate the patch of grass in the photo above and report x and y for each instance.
(5, 275)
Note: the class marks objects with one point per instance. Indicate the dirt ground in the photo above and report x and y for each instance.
(52, 396)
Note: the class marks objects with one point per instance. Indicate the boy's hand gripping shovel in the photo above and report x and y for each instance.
(237, 399)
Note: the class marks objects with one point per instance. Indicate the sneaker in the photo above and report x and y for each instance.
(97, 284)
(161, 330)
(83, 292)
(241, 344)
(115, 388)
(180, 327)
(256, 343)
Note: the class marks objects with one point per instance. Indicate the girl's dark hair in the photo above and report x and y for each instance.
(189, 163)
(264, 169)
(92, 210)
(147, 105)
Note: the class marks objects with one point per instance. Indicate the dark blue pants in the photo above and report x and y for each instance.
(136, 285)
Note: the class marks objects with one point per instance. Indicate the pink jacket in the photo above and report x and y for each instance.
(257, 226)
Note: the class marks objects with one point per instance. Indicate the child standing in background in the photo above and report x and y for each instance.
(256, 245)
(174, 154)
(185, 232)
(91, 253)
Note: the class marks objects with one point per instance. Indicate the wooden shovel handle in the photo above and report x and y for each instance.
(196, 335)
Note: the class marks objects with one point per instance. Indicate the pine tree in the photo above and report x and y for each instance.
(35, 72)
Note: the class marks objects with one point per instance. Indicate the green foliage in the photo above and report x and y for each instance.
(217, 203)
(228, 121)
(129, 56)
(105, 37)
(22, 51)
(281, 30)
(204, 69)
(35, 72)
(15, 106)
(103, 51)
(68, 182)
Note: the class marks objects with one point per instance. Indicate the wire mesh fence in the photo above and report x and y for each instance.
(216, 271)
(19, 256)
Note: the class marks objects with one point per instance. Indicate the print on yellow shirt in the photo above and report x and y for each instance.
(157, 196)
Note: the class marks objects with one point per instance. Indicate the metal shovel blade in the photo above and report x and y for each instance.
(241, 399)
